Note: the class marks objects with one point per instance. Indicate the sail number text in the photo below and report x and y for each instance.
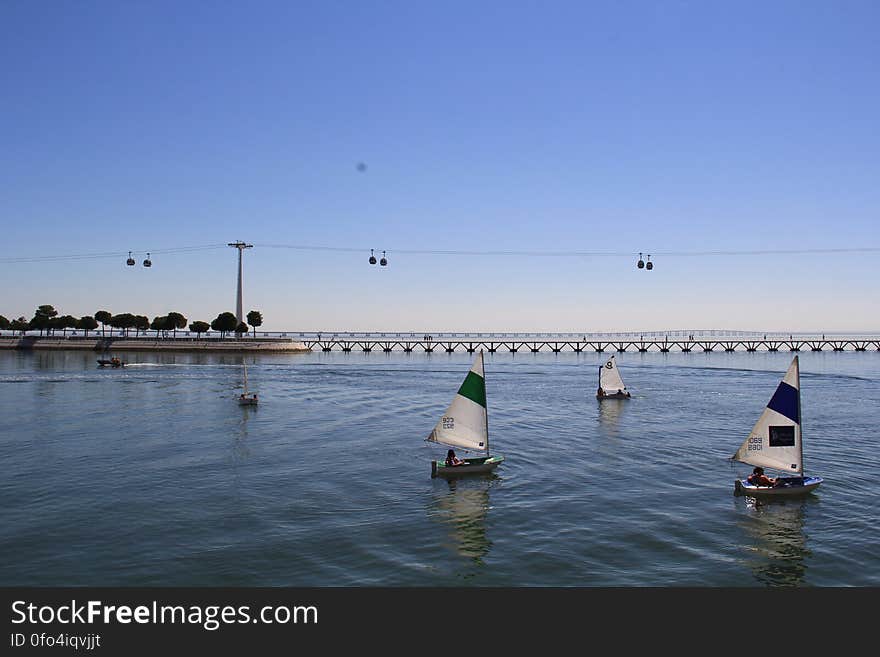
(755, 444)
(448, 423)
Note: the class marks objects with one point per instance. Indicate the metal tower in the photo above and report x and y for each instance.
(241, 246)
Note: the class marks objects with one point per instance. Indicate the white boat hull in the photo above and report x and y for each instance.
(792, 487)
(622, 395)
(479, 465)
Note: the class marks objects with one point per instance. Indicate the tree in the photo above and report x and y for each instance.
(241, 329)
(255, 319)
(115, 321)
(86, 324)
(104, 317)
(65, 322)
(42, 317)
(129, 322)
(141, 323)
(5, 324)
(122, 321)
(224, 323)
(176, 321)
(20, 324)
(159, 324)
(199, 327)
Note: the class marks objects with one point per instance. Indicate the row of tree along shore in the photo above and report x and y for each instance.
(47, 319)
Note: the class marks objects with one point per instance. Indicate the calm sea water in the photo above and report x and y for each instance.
(152, 475)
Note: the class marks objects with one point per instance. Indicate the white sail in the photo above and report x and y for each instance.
(465, 422)
(609, 378)
(246, 399)
(775, 440)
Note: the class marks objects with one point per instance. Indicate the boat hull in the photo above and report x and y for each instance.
(247, 401)
(478, 465)
(791, 487)
(622, 395)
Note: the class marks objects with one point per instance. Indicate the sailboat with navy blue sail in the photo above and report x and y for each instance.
(776, 441)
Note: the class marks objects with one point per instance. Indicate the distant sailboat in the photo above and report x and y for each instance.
(611, 386)
(466, 424)
(246, 399)
(776, 441)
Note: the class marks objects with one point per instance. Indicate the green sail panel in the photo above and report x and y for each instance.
(474, 388)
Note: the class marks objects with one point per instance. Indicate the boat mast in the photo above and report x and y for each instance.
(483, 367)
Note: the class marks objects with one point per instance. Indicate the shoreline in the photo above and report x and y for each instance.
(30, 343)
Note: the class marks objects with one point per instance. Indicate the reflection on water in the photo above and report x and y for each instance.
(610, 412)
(240, 448)
(462, 505)
(777, 543)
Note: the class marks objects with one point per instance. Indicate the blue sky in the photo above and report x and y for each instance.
(676, 129)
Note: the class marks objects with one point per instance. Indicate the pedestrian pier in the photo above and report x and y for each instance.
(450, 343)
(662, 342)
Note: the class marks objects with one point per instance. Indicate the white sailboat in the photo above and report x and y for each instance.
(466, 424)
(246, 398)
(776, 442)
(611, 386)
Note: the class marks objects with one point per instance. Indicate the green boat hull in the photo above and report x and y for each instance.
(477, 465)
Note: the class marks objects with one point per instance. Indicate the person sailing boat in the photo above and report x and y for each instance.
(452, 460)
(758, 478)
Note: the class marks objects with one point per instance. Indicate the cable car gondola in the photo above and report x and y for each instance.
(148, 262)
(130, 261)
(372, 258)
(383, 261)
(641, 263)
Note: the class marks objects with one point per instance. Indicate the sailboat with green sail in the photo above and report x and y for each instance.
(465, 424)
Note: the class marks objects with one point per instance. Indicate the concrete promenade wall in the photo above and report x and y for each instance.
(146, 344)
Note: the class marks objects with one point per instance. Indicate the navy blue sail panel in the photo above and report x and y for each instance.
(785, 402)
